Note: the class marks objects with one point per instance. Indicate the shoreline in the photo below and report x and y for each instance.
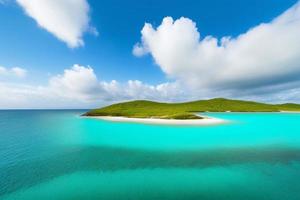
(283, 111)
(206, 121)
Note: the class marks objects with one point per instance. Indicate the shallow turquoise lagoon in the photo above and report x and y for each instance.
(59, 155)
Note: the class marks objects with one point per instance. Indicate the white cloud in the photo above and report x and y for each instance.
(68, 20)
(139, 50)
(81, 83)
(79, 87)
(3, 70)
(76, 82)
(19, 72)
(266, 55)
(15, 71)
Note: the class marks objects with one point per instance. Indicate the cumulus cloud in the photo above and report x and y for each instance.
(266, 55)
(76, 82)
(67, 20)
(139, 50)
(79, 87)
(19, 72)
(14, 71)
(80, 82)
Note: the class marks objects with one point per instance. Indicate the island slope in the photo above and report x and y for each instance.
(150, 109)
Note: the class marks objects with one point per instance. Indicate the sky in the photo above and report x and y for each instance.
(88, 53)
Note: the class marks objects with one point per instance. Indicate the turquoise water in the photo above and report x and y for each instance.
(59, 155)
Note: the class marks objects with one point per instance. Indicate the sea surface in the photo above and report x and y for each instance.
(47, 154)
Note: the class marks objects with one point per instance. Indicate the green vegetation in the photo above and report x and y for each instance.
(150, 109)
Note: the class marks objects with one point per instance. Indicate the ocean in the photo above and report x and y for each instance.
(56, 154)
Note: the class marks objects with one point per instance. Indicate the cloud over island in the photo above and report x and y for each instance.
(266, 55)
(79, 87)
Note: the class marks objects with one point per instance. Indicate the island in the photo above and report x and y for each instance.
(168, 113)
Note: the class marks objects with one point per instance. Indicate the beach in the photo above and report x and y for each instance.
(206, 121)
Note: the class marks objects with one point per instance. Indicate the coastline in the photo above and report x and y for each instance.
(206, 121)
(283, 111)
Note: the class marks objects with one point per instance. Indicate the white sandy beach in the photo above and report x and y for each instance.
(207, 121)
(282, 111)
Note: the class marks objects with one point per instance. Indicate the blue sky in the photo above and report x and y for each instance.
(29, 46)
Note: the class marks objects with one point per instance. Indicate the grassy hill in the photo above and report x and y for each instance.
(147, 109)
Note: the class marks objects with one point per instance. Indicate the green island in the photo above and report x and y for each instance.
(186, 110)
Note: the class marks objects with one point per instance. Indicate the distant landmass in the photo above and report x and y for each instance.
(187, 110)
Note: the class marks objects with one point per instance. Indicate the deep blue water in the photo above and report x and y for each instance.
(59, 155)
